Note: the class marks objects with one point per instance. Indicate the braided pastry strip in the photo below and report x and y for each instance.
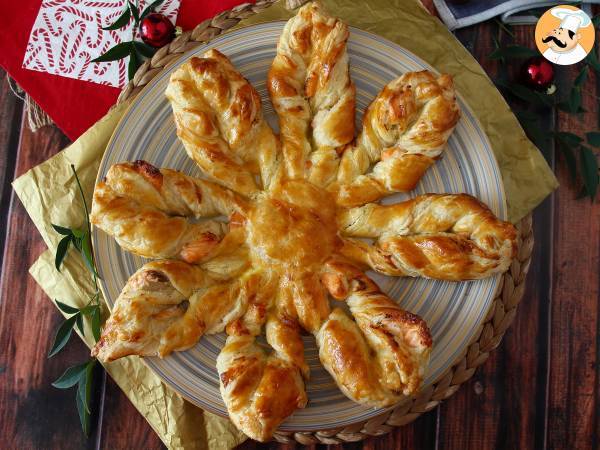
(219, 119)
(394, 342)
(167, 306)
(380, 357)
(146, 210)
(405, 129)
(441, 236)
(311, 91)
(260, 391)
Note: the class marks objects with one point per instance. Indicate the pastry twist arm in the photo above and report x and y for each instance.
(405, 129)
(148, 211)
(311, 91)
(383, 354)
(441, 236)
(219, 119)
(154, 299)
(260, 391)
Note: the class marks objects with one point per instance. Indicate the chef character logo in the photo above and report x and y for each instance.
(564, 35)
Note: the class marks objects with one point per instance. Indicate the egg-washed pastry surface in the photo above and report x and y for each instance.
(276, 234)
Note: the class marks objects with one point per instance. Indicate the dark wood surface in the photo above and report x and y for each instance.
(540, 389)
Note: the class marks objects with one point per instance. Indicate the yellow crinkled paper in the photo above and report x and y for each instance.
(49, 194)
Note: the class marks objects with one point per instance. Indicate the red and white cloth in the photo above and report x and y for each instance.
(68, 34)
(74, 104)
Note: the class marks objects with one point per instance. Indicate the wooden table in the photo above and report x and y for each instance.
(539, 389)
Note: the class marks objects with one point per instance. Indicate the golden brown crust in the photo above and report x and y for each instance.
(259, 391)
(343, 351)
(292, 227)
(384, 354)
(147, 209)
(147, 231)
(149, 172)
(311, 90)
(310, 301)
(154, 299)
(171, 191)
(284, 336)
(405, 129)
(219, 120)
(442, 236)
(168, 305)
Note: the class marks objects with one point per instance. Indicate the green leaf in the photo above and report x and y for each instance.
(84, 394)
(589, 169)
(593, 138)
(84, 415)
(596, 20)
(62, 230)
(575, 100)
(592, 60)
(570, 160)
(88, 310)
(78, 233)
(62, 336)
(79, 323)
(496, 47)
(527, 115)
(96, 323)
(77, 243)
(144, 49)
(121, 21)
(566, 107)
(133, 63)
(150, 8)
(70, 377)
(88, 259)
(135, 13)
(66, 308)
(117, 52)
(528, 95)
(513, 51)
(61, 251)
(568, 138)
(580, 79)
(573, 105)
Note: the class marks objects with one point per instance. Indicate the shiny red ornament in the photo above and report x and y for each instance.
(157, 30)
(538, 73)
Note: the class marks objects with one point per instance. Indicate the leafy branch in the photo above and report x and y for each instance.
(575, 150)
(136, 50)
(82, 374)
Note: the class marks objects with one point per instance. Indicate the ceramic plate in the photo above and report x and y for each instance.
(454, 311)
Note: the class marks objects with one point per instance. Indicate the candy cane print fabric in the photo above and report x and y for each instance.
(67, 35)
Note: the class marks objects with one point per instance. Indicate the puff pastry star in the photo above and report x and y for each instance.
(275, 234)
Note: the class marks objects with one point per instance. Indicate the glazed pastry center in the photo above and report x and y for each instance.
(293, 225)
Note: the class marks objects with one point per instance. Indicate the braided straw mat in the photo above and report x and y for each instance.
(502, 311)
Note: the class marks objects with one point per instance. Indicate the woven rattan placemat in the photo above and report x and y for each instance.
(501, 313)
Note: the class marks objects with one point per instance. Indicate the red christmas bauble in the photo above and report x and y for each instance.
(157, 30)
(538, 73)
